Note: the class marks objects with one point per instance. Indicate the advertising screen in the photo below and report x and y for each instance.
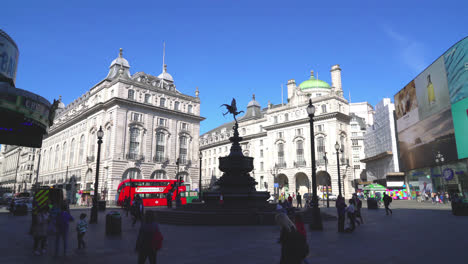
(8, 58)
(460, 122)
(420, 143)
(406, 107)
(456, 66)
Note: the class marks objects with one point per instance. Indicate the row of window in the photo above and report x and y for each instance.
(162, 101)
(161, 121)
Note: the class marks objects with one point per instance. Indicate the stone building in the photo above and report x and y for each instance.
(148, 124)
(278, 137)
(18, 167)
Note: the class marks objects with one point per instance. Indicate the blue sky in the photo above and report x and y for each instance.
(231, 48)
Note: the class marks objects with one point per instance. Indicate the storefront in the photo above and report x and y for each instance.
(447, 178)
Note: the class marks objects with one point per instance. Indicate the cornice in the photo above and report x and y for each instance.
(155, 89)
(118, 101)
(338, 115)
(226, 141)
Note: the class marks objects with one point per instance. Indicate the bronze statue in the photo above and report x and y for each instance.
(232, 109)
(52, 112)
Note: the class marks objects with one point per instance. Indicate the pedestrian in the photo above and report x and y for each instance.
(137, 209)
(126, 204)
(433, 198)
(358, 210)
(299, 200)
(81, 229)
(149, 240)
(341, 211)
(40, 231)
(63, 220)
(289, 199)
(299, 223)
(442, 198)
(294, 248)
(351, 216)
(437, 198)
(387, 200)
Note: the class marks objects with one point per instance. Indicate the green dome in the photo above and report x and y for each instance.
(313, 83)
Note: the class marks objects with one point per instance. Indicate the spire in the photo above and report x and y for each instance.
(253, 97)
(120, 53)
(165, 68)
(197, 92)
(164, 56)
(312, 74)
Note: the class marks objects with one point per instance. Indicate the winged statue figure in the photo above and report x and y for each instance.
(232, 109)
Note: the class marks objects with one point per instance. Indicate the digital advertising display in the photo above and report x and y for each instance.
(431, 112)
(460, 122)
(8, 58)
(456, 66)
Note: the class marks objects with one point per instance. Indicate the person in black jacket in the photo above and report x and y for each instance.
(144, 244)
(387, 200)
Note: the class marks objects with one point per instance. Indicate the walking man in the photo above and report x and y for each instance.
(299, 200)
(387, 200)
(341, 210)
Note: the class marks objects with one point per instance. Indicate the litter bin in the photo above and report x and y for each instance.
(101, 205)
(372, 204)
(113, 223)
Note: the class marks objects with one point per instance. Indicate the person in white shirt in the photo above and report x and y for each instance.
(351, 215)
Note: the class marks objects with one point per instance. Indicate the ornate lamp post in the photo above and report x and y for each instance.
(317, 219)
(328, 178)
(274, 172)
(177, 181)
(337, 148)
(94, 214)
(199, 180)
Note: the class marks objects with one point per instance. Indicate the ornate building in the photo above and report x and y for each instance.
(148, 124)
(278, 137)
(18, 167)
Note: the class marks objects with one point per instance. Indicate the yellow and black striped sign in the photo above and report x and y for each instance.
(41, 200)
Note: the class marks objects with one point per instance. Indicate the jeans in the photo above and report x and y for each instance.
(151, 255)
(341, 220)
(41, 240)
(64, 236)
(81, 243)
(388, 209)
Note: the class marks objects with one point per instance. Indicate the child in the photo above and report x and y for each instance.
(40, 231)
(81, 228)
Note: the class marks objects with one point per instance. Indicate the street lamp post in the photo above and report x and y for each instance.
(94, 214)
(317, 220)
(274, 172)
(337, 148)
(177, 180)
(199, 180)
(328, 178)
(17, 167)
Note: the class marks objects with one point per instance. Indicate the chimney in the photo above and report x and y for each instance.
(336, 77)
(291, 88)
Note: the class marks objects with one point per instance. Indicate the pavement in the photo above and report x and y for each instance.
(415, 233)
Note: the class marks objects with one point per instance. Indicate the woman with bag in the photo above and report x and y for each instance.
(149, 240)
(294, 247)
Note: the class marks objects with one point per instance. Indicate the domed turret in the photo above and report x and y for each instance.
(119, 68)
(60, 105)
(165, 75)
(120, 60)
(313, 83)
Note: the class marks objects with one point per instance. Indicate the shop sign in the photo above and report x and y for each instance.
(448, 174)
(149, 189)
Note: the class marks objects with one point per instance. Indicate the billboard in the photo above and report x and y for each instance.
(429, 119)
(456, 66)
(460, 122)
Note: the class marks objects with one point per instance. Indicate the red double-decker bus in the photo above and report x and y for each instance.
(152, 192)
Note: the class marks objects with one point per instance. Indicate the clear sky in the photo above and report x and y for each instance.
(231, 48)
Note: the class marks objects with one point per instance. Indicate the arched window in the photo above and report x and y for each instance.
(134, 143)
(183, 150)
(108, 142)
(158, 175)
(320, 149)
(176, 106)
(81, 153)
(51, 158)
(281, 162)
(57, 160)
(286, 117)
(92, 144)
(64, 155)
(44, 160)
(160, 147)
(132, 174)
(71, 161)
(162, 102)
(190, 109)
(147, 98)
(131, 94)
(300, 152)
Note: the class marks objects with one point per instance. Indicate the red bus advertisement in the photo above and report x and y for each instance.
(152, 192)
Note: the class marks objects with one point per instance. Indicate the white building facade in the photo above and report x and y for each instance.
(148, 124)
(380, 143)
(278, 137)
(18, 167)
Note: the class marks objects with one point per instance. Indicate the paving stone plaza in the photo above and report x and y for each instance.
(415, 233)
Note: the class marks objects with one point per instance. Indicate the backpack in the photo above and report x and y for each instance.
(157, 240)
